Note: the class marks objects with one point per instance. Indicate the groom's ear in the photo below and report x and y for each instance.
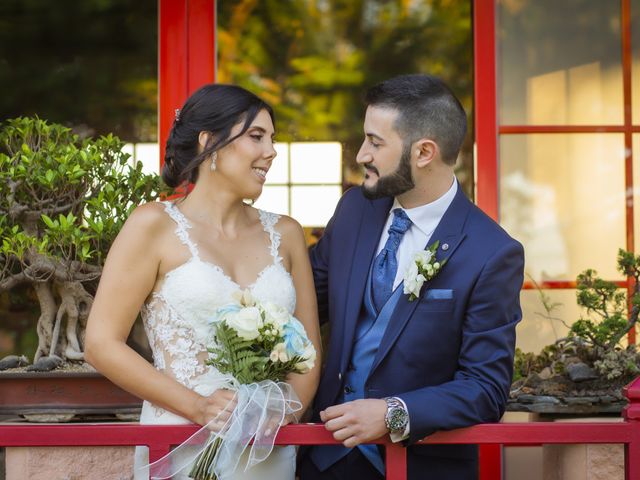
(425, 151)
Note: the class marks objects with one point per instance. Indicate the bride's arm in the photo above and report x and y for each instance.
(128, 277)
(306, 311)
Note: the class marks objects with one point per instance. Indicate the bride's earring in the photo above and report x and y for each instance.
(214, 157)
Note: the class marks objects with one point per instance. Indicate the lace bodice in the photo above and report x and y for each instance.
(176, 316)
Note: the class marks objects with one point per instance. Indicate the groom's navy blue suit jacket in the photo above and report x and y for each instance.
(448, 354)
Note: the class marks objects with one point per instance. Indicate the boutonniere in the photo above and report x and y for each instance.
(423, 268)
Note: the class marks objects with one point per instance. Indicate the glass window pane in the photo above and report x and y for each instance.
(313, 206)
(559, 62)
(130, 148)
(279, 171)
(149, 155)
(635, 42)
(562, 196)
(540, 327)
(97, 81)
(314, 60)
(316, 162)
(274, 199)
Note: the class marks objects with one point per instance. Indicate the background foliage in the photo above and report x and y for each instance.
(313, 60)
(89, 64)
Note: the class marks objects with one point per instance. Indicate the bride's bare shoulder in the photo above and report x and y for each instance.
(288, 226)
(149, 219)
(291, 233)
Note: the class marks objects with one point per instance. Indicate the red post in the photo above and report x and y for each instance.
(396, 461)
(186, 56)
(631, 415)
(157, 451)
(490, 462)
(485, 116)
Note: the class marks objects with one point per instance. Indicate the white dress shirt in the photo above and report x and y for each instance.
(425, 219)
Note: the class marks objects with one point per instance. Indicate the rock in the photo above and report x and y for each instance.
(526, 398)
(580, 372)
(572, 360)
(13, 361)
(546, 399)
(546, 373)
(533, 380)
(581, 400)
(49, 417)
(45, 364)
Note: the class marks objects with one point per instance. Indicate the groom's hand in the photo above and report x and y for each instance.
(353, 423)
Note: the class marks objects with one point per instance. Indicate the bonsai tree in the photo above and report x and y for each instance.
(62, 202)
(594, 340)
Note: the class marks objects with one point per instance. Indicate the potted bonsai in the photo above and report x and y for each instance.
(585, 371)
(63, 200)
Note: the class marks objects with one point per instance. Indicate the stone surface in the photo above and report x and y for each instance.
(581, 400)
(580, 372)
(583, 462)
(13, 361)
(605, 462)
(564, 409)
(69, 463)
(546, 373)
(546, 399)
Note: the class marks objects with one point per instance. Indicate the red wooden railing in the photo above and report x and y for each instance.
(490, 437)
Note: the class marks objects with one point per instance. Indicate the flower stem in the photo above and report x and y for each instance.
(202, 465)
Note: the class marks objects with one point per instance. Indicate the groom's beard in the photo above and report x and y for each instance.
(395, 183)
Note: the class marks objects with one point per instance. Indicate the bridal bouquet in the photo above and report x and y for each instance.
(259, 344)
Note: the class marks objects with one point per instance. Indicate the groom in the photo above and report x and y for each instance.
(444, 360)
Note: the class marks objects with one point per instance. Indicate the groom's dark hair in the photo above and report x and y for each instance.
(426, 109)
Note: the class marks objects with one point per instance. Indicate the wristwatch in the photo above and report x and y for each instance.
(397, 416)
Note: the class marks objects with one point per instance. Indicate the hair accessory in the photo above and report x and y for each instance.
(214, 157)
(177, 115)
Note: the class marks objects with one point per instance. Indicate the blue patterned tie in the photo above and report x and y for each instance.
(385, 265)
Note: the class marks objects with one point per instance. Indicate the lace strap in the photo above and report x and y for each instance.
(182, 225)
(269, 221)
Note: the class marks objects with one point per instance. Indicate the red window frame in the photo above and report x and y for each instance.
(186, 56)
(488, 127)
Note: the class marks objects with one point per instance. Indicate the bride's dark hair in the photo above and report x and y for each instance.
(214, 108)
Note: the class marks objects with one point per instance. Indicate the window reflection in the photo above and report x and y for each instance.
(313, 60)
(539, 327)
(562, 196)
(560, 68)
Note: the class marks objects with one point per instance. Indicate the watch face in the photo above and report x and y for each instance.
(397, 419)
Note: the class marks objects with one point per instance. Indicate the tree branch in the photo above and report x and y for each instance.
(10, 282)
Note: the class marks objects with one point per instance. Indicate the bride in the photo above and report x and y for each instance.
(177, 262)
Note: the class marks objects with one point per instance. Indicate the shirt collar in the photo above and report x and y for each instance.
(426, 217)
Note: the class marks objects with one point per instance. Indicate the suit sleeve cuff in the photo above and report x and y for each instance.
(397, 436)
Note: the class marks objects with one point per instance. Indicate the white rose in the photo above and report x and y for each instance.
(246, 322)
(310, 355)
(413, 280)
(276, 315)
(423, 257)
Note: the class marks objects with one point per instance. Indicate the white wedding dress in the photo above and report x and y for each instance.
(176, 322)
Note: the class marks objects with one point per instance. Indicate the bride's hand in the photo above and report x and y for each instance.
(290, 418)
(218, 406)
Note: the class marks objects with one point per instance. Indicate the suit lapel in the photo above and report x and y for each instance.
(372, 221)
(450, 233)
